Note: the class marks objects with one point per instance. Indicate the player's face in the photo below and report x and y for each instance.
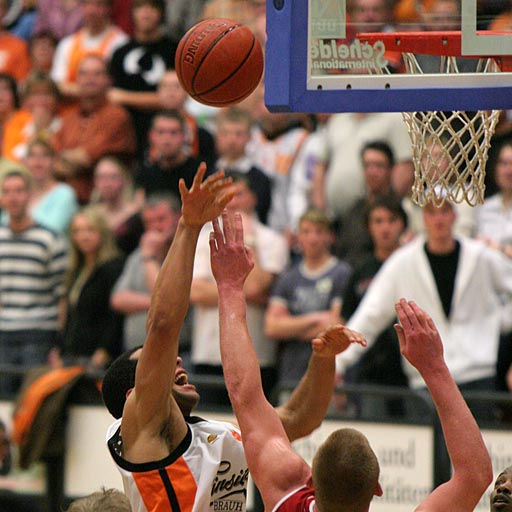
(231, 139)
(184, 393)
(504, 169)
(315, 240)
(15, 197)
(377, 171)
(385, 228)
(501, 495)
(85, 236)
(438, 220)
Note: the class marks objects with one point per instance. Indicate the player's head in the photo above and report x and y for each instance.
(345, 472)
(501, 495)
(119, 380)
(106, 500)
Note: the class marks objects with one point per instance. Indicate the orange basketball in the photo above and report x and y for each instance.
(219, 62)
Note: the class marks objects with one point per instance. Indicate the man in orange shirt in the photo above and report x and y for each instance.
(92, 129)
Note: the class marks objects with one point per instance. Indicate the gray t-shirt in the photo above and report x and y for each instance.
(302, 292)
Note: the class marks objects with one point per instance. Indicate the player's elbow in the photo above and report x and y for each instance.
(476, 478)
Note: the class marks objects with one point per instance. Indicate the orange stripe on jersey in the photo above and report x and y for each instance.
(159, 495)
(184, 484)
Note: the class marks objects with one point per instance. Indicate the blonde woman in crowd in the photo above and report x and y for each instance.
(93, 331)
(53, 203)
(113, 193)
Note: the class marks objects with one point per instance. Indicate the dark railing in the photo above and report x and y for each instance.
(395, 406)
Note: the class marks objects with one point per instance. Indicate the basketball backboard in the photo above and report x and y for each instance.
(329, 56)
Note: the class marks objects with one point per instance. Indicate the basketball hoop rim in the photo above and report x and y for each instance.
(440, 43)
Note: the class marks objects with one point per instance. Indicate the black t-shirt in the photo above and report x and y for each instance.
(153, 178)
(358, 283)
(381, 363)
(139, 67)
(444, 269)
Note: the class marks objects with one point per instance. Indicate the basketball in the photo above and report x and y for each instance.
(219, 62)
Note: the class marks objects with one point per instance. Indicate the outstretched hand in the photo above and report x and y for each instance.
(231, 260)
(420, 342)
(205, 200)
(336, 339)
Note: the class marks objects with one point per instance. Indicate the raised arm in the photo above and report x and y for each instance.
(308, 404)
(421, 345)
(275, 467)
(151, 403)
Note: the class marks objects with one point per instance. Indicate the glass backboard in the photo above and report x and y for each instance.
(363, 56)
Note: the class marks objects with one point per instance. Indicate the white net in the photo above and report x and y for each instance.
(450, 149)
(449, 155)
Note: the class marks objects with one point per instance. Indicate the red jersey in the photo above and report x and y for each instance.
(301, 500)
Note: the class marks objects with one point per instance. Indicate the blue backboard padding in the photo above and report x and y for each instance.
(286, 78)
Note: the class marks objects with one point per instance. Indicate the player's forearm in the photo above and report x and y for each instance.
(308, 404)
(168, 309)
(464, 442)
(239, 359)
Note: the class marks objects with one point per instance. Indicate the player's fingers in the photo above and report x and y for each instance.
(183, 188)
(226, 226)
(217, 232)
(213, 244)
(198, 178)
(401, 336)
(225, 197)
(239, 228)
(406, 314)
(402, 317)
(250, 256)
(423, 317)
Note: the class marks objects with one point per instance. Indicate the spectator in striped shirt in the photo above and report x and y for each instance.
(33, 262)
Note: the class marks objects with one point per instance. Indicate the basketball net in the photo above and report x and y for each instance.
(450, 149)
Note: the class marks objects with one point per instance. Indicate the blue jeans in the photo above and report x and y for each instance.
(27, 348)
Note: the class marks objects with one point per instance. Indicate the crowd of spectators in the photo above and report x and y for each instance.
(95, 134)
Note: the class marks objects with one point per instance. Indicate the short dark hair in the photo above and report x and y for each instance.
(383, 147)
(171, 113)
(389, 202)
(157, 4)
(345, 471)
(118, 380)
